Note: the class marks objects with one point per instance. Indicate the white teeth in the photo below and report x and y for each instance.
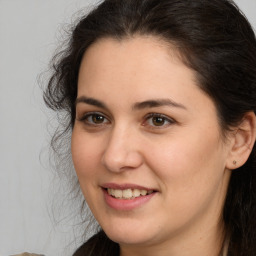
(118, 193)
(128, 193)
(143, 192)
(136, 193)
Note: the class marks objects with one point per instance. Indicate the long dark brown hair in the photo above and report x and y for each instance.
(215, 40)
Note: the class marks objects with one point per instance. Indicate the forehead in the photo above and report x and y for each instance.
(133, 61)
(122, 73)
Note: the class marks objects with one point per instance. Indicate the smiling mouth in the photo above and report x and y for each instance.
(128, 193)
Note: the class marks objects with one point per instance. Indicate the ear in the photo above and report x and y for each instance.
(242, 142)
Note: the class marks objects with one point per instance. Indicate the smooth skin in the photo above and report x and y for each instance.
(142, 119)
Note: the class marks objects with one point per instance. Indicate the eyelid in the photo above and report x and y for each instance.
(165, 117)
(84, 118)
(91, 113)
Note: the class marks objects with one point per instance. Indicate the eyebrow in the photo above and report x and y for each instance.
(90, 101)
(137, 106)
(158, 103)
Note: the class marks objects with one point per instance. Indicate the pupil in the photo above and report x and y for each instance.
(98, 119)
(158, 121)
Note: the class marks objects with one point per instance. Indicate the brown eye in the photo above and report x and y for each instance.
(94, 119)
(97, 119)
(158, 121)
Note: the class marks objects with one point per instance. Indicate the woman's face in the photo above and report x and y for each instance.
(146, 144)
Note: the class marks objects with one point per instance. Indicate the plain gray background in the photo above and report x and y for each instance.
(28, 37)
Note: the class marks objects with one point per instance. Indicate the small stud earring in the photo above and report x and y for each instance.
(234, 162)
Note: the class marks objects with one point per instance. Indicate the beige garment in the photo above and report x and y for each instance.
(225, 250)
(27, 254)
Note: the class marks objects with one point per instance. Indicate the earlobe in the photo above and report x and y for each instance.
(243, 139)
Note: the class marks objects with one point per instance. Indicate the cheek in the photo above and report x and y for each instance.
(190, 172)
(188, 161)
(86, 160)
(85, 156)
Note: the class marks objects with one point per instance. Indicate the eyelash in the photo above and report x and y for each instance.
(91, 115)
(166, 120)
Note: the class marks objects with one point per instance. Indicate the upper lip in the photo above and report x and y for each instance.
(125, 186)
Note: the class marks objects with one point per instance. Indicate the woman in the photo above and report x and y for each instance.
(161, 100)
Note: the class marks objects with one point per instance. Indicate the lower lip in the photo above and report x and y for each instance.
(126, 204)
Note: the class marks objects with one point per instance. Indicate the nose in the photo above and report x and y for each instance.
(122, 151)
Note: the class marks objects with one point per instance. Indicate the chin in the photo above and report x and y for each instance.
(129, 239)
(130, 234)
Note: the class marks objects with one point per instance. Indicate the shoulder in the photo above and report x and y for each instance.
(27, 254)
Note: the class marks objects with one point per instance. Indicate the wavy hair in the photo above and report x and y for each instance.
(215, 40)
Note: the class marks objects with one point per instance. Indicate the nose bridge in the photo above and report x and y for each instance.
(122, 150)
